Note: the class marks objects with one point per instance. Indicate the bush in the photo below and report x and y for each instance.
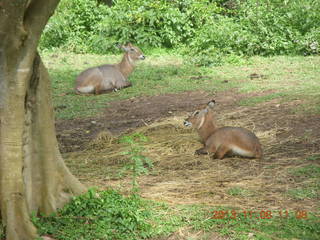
(151, 23)
(98, 215)
(82, 26)
(204, 28)
(74, 26)
(282, 27)
(221, 36)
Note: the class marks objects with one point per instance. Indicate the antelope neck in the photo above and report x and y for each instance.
(126, 65)
(207, 129)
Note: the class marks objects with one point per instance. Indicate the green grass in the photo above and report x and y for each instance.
(308, 178)
(148, 79)
(309, 171)
(307, 192)
(117, 217)
(238, 191)
(252, 101)
(288, 78)
(314, 157)
(108, 215)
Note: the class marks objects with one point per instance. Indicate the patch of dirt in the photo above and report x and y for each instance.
(122, 116)
(288, 139)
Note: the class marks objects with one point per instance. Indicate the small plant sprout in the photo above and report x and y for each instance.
(138, 164)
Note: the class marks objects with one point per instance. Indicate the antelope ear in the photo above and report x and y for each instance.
(125, 48)
(211, 103)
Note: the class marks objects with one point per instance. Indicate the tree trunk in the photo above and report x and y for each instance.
(33, 176)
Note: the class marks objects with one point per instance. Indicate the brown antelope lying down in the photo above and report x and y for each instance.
(109, 77)
(225, 140)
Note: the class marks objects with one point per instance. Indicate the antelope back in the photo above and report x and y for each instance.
(109, 77)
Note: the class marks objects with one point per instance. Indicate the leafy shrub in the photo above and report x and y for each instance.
(282, 27)
(139, 164)
(98, 215)
(82, 26)
(259, 27)
(203, 28)
(154, 23)
(220, 36)
(73, 26)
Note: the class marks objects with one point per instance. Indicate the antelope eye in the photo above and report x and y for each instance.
(132, 50)
(196, 113)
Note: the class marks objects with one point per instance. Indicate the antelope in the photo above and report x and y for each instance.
(109, 77)
(223, 141)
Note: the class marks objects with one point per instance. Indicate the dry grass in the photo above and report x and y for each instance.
(180, 177)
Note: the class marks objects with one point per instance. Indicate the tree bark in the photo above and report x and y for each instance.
(33, 176)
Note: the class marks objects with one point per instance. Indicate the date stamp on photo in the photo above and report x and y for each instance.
(259, 214)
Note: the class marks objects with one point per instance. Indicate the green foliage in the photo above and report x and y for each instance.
(153, 23)
(267, 27)
(74, 26)
(138, 164)
(98, 215)
(203, 29)
(219, 36)
(109, 215)
(282, 27)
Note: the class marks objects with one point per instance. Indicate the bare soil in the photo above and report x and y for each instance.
(123, 116)
(288, 139)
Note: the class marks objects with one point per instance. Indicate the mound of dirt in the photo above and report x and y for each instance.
(180, 177)
(121, 116)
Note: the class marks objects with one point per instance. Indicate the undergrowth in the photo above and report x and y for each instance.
(138, 163)
(207, 29)
(109, 215)
(98, 215)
